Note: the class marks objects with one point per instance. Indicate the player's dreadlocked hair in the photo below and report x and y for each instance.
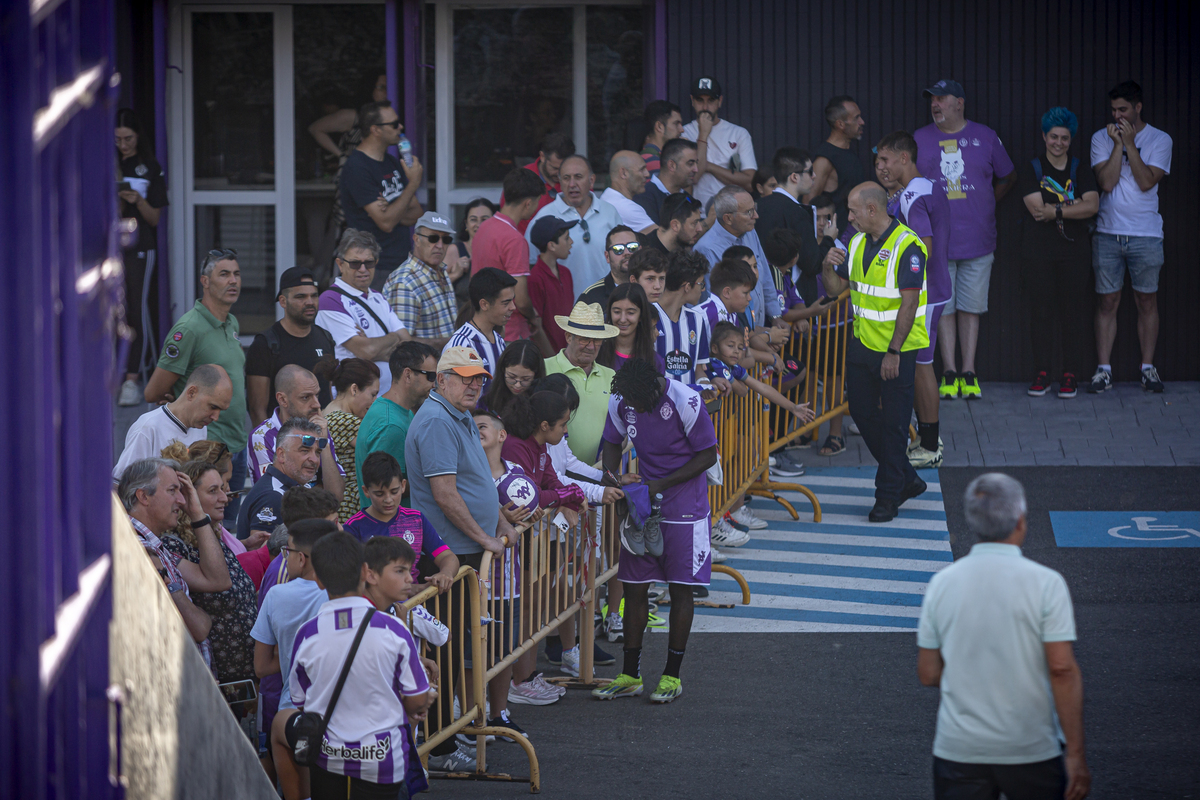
(638, 382)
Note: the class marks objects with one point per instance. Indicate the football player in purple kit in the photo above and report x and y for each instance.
(923, 207)
(675, 440)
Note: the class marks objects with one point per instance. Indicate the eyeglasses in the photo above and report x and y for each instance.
(471, 380)
(393, 124)
(434, 238)
(308, 440)
(587, 235)
(222, 253)
(355, 266)
(287, 551)
(619, 249)
(513, 380)
(430, 375)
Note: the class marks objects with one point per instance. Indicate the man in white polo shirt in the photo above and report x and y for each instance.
(995, 634)
(628, 175)
(207, 393)
(360, 319)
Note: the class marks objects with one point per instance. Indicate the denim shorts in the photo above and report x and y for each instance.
(969, 279)
(1112, 255)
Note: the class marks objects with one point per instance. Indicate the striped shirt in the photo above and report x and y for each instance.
(715, 311)
(422, 298)
(683, 345)
(262, 448)
(367, 736)
(470, 336)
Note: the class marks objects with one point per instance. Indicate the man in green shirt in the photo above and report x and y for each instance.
(585, 330)
(414, 369)
(208, 334)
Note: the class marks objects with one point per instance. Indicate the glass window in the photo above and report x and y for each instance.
(250, 230)
(233, 100)
(339, 57)
(614, 81)
(512, 86)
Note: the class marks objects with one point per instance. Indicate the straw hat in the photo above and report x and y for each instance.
(587, 321)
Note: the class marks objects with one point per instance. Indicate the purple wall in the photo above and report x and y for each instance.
(56, 224)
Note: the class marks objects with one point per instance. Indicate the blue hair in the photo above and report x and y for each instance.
(1060, 117)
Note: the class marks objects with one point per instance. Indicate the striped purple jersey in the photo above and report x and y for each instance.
(715, 311)
(367, 736)
(409, 524)
(470, 336)
(683, 345)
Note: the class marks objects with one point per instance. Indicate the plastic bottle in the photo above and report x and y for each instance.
(656, 506)
(406, 150)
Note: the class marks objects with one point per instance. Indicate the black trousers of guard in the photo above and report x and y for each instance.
(882, 410)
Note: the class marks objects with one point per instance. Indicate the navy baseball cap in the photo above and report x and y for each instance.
(547, 229)
(706, 85)
(945, 87)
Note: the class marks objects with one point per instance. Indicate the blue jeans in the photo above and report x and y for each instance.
(884, 429)
(236, 481)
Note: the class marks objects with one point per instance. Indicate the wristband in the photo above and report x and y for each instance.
(200, 523)
(893, 351)
(702, 141)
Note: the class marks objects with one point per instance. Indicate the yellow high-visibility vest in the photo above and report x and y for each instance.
(875, 293)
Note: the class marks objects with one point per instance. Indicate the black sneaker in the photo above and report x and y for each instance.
(505, 721)
(1150, 380)
(1039, 386)
(1069, 387)
(601, 658)
(1101, 381)
(914, 489)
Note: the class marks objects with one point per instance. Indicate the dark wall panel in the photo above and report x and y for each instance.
(779, 60)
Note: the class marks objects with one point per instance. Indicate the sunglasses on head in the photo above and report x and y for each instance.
(308, 440)
(434, 237)
(619, 249)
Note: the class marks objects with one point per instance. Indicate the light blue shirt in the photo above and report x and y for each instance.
(586, 261)
(990, 614)
(717, 241)
(284, 611)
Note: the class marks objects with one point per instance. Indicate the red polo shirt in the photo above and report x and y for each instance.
(550, 296)
(552, 191)
(499, 244)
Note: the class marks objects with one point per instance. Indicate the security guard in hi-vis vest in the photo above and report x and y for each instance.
(885, 270)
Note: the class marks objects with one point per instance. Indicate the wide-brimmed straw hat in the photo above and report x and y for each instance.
(587, 321)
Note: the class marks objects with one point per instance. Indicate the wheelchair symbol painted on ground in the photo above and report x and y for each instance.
(1143, 526)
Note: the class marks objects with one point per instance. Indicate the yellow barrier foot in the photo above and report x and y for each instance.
(568, 682)
(770, 495)
(771, 488)
(737, 576)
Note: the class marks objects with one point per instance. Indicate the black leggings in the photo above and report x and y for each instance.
(1062, 295)
(141, 310)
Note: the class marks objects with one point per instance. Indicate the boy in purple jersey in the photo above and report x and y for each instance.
(675, 440)
(385, 484)
(922, 206)
(682, 340)
(367, 749)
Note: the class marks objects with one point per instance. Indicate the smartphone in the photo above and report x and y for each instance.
(123, 186)
(238, 691)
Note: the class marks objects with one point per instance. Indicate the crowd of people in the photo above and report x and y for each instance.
(379, 421)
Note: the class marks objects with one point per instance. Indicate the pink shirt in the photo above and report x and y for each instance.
(499, 244)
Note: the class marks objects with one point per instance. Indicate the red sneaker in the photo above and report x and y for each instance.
(1039, 385)
(1069, 386)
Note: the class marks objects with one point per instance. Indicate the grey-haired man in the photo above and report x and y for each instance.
(419, 291)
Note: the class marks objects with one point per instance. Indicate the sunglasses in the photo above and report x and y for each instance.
(355, 266)
(619, 249)
(222, 253)
(433, 238)
(308, 440)
(430, 375)
(587, 235)
(393, 124)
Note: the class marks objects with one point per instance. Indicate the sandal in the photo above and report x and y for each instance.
(834, 446)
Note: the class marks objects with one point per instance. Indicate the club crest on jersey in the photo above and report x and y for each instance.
(962, 142)
(665, 412)
(914, 263)
(409, 537)
(140, 170)
(630, 416)
(266, 515)
(691, 337)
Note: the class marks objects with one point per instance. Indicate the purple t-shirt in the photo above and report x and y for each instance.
(408, 524)
(666, 437)
(925, 209)
(966, 162)
(730, 372)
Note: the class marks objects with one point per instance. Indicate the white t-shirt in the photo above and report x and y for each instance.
(150, 433)
(1127, 210)
(631, 213)
(345, 318)
(990, 614)
(725, 142)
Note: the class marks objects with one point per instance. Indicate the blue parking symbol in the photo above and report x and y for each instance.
(1126, 528)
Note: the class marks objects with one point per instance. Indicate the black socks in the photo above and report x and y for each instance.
(633, 662)
(674, 660)
(928, 431)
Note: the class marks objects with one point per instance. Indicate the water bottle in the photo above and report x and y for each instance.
(406, 150)
(656, 506)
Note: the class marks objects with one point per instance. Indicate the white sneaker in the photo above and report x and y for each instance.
(852, 428)
(570, 662)
(724, 535)
(533, 692)
(717, 556)
(614, 627)
(131, 395)
(744, 516)
(920, 458)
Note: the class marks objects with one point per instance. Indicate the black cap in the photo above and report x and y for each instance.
(945, 87)
(706, 85)
(547, 229)
(296, 276)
